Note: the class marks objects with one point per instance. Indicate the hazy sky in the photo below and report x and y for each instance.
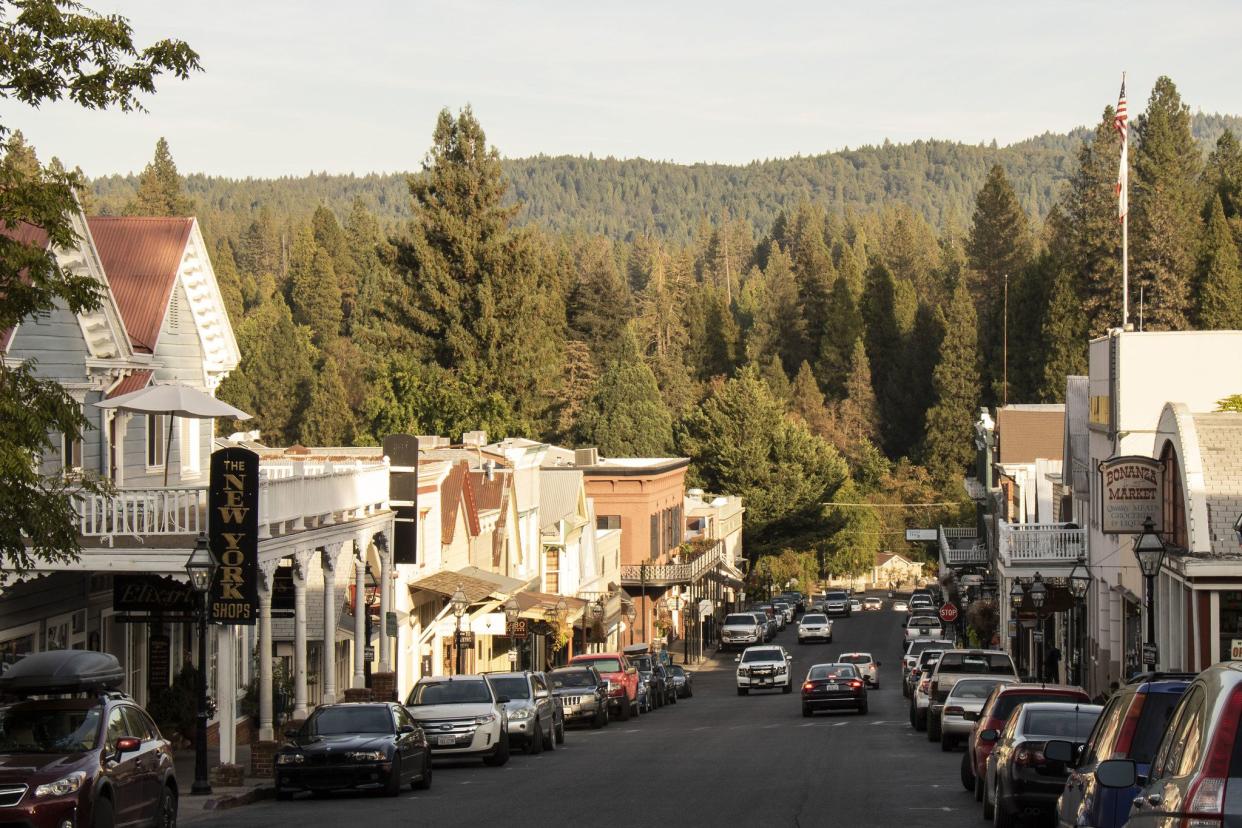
(290, 87)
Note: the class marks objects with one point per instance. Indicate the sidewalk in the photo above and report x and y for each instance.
(193, 807)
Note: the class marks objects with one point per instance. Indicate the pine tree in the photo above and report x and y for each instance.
(576, 386)
(719, 345)
(842, 329)
(815, 276)
(948, 443)
(331, 238)
(599, 304)
(1092, 233)
(1224, 173)
(625, 415)
(225, 267)
(1166, 199)
(883, 339)
(1064, 335)
(1218, 299)
(161, 190)
(259, 249)
(999, 248)
(328, 420)
(807, 402)
(857, 415)
(774, 375)
(313, 291)
(778, 327)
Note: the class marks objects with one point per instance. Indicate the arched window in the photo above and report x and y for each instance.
(1174, 499)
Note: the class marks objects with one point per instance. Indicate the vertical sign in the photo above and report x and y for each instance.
(159, 662)
(402, 453)
(233, 518)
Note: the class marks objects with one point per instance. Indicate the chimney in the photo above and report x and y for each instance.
(489, 470)
(586, 457)
(474, 439)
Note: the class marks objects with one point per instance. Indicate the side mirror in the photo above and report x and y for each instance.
(292, 733)
(128, 744)
(1059, 750)
(406, 729)
(1117, 773)
(990, 735)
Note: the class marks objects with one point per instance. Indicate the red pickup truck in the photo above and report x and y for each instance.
(622, 680)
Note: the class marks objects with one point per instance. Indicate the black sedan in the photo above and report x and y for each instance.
(341, 747)
(832, 686)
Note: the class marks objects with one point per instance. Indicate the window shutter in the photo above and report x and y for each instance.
(655, 536)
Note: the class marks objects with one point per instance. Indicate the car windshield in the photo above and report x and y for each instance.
(1008, 701)
(924, 621)
(740, 620)
(1064, 724)
(826, 671)
(459, 691)
(49, 727)
(572, 678)
(515, 687)
(642, 663)
(335, 721)
(761, 655)
(972, 689)
(604, 665)
(678, 670)
(975, 663)
(855, 658)
(814, 619)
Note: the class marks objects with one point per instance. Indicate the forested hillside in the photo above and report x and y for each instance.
(817, 334)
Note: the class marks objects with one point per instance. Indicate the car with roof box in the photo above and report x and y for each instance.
(74, 750)
(960, 664)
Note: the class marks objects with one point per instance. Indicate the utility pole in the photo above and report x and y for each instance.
(1005, 348)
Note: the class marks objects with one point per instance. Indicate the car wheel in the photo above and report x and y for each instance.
(1001, 818)
(947, 742)
(788, 688)
(967, 773)
(599, 719)
(103, 816)
(423, 782)
(672, 698)
(978, 787)
(862, 708)
(987, 802)
(549, 741)
(168, 809)
(534, 742)
(742, 691)
(933, 727)
(392, 786)
(501, 755)
(623, 710)
(689, 691)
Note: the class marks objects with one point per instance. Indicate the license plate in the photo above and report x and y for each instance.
(446, 740)
(831, 687)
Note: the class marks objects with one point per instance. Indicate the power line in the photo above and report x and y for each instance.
(894, 505)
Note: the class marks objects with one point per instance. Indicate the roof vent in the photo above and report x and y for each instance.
(586, 457)
(489, 470)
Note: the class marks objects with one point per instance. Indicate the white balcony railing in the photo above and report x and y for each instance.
(292, 497)
(1041, 543)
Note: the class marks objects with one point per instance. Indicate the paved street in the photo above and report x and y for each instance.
(715, 759)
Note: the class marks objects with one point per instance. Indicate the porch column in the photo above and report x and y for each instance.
(385, 648)
(122, 425)
(266, 731)
(360, 610)
(329, 555)
(301, 560)
(226, 694)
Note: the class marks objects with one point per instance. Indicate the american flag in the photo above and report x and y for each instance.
(1123, 171)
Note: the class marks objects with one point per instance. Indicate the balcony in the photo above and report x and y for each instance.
(292, 497)
(1040, 544)
(679, 573)
(960, 547)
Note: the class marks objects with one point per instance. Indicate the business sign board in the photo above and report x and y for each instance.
(913, 535)
(233, 520)
(146, 592)
(1132, 492)
(1235, 649)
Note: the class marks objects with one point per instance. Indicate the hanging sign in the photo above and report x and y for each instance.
(1132, 492)
(233, 518)
(146, 592)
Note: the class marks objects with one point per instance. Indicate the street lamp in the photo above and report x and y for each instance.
(1079, 584)
(1016, 594)
(1039, 594)
(513, 611)
(201, 568)
(630, 613)
(1149, 549)
(459, 604)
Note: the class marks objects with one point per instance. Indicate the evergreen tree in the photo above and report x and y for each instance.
(576, 386)
(225, 267)
(1218, 299)
(1064, 336)
(842, 329)
(313, 291)
(1224, 174)
(857, 414)
(331, 238)
(807, 403)
(883, 340)
(774, 375)
(625, 415)
(717, 343)
(259, 248)
(599, 305)
(856, 533)
(408, 396)
(1092, 233)
(778, 327)
(328, 420)
(161, 191)
(1166, 200)
(948, 445)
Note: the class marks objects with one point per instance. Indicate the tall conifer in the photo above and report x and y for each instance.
(161, 191)
(948, 445)
(1218, 299)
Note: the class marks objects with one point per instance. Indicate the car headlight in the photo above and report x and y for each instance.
(780, 669)
(366, 756)
(520, 713)
(743, 671)
(487, 718)
(290, 759)
(61, 787)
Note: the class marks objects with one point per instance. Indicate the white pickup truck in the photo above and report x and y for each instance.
(959, 664)
(922, 627)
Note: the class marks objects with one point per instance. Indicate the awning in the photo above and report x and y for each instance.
(732, 573)
(540, 605)
(475, 583)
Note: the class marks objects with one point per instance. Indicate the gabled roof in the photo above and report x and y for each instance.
(1220, 447)
(134, 382)
(141, 257)
(1027, 433)
(456, 494)
(559, 490)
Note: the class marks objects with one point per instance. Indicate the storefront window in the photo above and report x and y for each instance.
(1231, 625)
(1174, 503)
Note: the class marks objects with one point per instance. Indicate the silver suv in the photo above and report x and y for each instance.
(461, 717)
(742, 629)
(535, 718)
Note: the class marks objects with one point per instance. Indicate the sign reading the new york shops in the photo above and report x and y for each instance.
(1132, 492)
(233, 518)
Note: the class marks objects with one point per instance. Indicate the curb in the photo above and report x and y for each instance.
(223, 803)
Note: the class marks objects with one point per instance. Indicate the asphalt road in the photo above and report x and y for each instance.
(715, 759)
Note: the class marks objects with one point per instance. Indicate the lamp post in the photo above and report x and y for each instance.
(561, 611)
(630, 614)
(1149, 549)
(201, 567)
(512, 612)
(459, 604)
(1016, 596)
(1039, 594)
(597, 612)
(1079, 583)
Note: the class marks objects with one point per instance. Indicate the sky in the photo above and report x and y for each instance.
(294, 87)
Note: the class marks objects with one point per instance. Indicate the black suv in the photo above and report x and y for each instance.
(93, 757)
(658, 685)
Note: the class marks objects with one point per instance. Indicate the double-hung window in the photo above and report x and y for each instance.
(156, 428)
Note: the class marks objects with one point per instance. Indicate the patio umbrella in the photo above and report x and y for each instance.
(173, 400)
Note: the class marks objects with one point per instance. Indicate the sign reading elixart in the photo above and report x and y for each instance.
(233, 509)
(1132, 492)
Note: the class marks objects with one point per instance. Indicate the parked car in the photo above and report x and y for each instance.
(775, 614)
(786, 610)
(764, 668)
(742, 629)
(814, 626)
(920, 698)
(797, 599)
(922, 627)
(855, 605)
(873, 604)
(837, 602)
(829, 686)
(868, 668)
(959, 664)
(911, 665)
(354, 747)
(462, 717)
(1130, 727)
(535, 718)
(683, 681)
(1000, 703)
(582, 694)
(70, 760)
(1021, 780)
(622, 680)
(652, 674)
(1196, 773)
(961, 709)
(901, 606)
(767, 617)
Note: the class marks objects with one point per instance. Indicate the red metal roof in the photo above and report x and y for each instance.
(455, 494)
(141, 257)
(134, 382)
(22, 233)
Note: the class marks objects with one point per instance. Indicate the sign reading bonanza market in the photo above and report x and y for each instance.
(1132, 492)
(233, 510)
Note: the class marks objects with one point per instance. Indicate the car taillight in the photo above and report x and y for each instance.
(1128, 727)
(810, 685)
(953, 710)
(1207, 793)
(1028, 757)
(855, 683)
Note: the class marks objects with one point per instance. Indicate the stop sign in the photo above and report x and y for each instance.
(948, 613)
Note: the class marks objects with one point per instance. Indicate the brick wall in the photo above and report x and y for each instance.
(384, 686)
(262, 758)
(359, 694)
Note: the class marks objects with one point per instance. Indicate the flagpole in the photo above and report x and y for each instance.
(1123, 194)
(1125, 266)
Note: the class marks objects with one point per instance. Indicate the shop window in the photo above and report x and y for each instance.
(16, 646)
(1230, 625)
(1174, 506)
(608, 522)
